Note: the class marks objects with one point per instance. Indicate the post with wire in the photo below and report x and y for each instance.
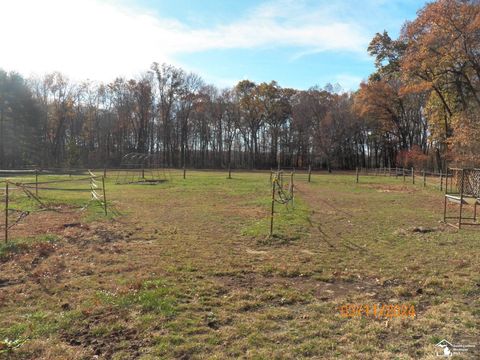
(284, 197)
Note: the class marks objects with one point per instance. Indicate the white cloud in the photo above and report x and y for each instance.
(102, 39)
(348, 82)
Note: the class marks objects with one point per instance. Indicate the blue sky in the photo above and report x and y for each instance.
(297, 43)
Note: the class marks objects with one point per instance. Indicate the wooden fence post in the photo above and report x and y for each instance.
(357, 174)
(309, 172)
(403, 172)
(184, 172)
(413, 175)
(6, 212)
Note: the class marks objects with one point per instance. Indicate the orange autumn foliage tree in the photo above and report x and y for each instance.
(442, 57)
(414, 157)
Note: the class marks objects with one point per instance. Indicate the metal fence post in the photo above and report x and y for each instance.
(6, 212)
(273, 207)
(291, 187)
(104, 195)
(36, 182)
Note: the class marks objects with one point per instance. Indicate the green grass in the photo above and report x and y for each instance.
(154, 296)
(19, 245)
(199, 277)
(290, 222)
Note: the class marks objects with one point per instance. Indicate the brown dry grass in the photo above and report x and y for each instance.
(185, 273)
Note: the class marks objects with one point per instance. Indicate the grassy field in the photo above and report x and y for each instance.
(186, 270)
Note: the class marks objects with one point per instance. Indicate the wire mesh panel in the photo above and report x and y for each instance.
(464, 189)
(472, 182)
(141, 168)
(466, 181)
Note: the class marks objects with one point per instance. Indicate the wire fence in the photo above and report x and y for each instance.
(439, 180)
(16, 209)
(282, 192)
(32, 183)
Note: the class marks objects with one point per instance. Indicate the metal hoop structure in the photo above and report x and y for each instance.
(138, 168)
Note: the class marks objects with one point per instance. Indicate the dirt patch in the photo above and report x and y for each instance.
(392, 188)
(43, 265)
(44, 222)
(420, 230)
(97, 338)
(322, 290)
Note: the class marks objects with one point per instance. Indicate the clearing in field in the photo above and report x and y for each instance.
(188, 271)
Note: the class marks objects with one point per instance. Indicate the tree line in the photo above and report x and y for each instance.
(420, 107)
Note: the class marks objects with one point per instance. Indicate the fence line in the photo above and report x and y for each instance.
(27, 189)
(440, 178)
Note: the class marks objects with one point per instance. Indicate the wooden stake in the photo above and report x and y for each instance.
(413, 175)
(357, 175)
(441, 180)
(184, 172)
(104, 196)
(424, 178)
(309, 172)
(229, 172)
